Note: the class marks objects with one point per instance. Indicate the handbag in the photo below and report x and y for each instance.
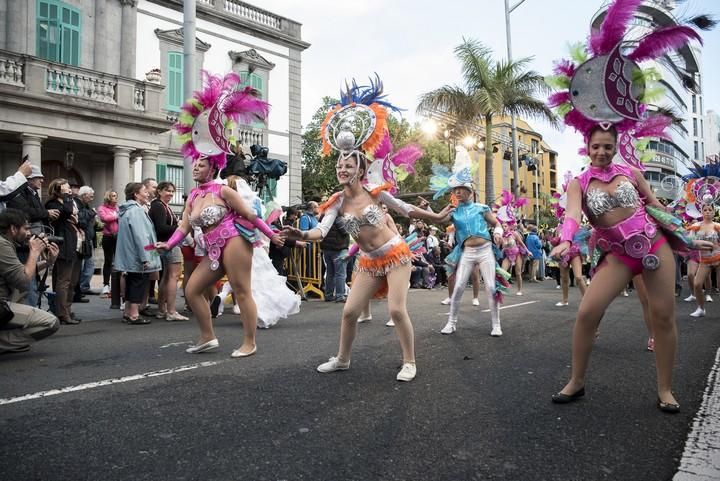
(6, 314)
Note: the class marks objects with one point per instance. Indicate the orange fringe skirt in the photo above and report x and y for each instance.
(382, 260)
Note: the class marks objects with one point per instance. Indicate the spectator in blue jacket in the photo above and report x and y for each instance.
(135, 254)
(309, 218)
(534, 245)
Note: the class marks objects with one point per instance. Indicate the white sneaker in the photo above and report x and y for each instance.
(122, 306)
(561, 304)
(625, 294)
(476, 302)
(496, 331)
(408, 372)
(236, 309)
(105, 290)
(333, 364)
(518, 293)
(689, 298)
(449, 327)
(699, 312)
(364, 319)
(390, 323)
(557, 287)
(708, 298)
(445, 301)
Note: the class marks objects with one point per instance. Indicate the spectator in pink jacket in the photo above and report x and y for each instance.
(108, 213)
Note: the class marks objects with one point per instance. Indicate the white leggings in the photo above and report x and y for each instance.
(482, 255)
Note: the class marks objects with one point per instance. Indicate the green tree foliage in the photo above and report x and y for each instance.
(489, 89)
(318, 171)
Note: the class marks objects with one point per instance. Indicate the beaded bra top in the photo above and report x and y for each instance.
(372, 215)
(600, 202)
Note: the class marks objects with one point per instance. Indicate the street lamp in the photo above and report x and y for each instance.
(508, 11)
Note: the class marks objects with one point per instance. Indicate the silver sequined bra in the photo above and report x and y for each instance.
(209, 216)
(600, 202)
(372, 215)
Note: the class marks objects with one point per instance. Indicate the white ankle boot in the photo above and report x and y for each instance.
(496, 330)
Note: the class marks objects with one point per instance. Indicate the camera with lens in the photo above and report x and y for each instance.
(54, 240)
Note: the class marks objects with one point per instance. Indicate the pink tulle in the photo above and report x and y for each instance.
(407, 156)
(662, 40)
(613, 28)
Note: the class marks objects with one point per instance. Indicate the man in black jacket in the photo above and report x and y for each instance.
(86, 222)
(334, 251)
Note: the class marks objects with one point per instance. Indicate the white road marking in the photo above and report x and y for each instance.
(183, 343)
(701, 457)
(513, 305)
(108, 382)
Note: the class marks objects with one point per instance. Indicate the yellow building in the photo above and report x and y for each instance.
(537, 186)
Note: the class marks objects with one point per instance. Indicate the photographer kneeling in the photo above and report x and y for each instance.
(21, 325)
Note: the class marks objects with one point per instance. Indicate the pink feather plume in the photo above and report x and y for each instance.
(653, 126)
(521, 202)
(244, 106)
(662, 40)
(613, 28)
(558, 98)
(506, 197)
(564, 67)
(579, 122)
(407, 156)
(385, 147)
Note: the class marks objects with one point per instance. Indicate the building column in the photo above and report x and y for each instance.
(32, 147)
(100, 40)
(128, 38)
(16, 27)
(121, 169)
(149, 164)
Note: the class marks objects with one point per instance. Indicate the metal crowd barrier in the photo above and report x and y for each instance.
(304, 266)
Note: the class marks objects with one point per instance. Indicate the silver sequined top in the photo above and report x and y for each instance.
(372, 215)
(599, 202)
(209, 216)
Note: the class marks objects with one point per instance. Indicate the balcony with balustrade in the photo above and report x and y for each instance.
(28, 82)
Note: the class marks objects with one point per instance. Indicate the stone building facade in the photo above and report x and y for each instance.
(89, 89)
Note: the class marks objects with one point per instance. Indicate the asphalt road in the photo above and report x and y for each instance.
(479, 408)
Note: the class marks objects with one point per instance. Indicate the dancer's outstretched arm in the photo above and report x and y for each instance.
(573, 214)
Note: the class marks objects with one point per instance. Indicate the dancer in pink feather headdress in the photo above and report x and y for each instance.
(514, 250)
(606, 98)
(226, 225)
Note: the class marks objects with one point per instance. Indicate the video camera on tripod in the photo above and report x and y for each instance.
(257, 168)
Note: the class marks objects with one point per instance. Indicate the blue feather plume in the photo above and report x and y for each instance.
(366, 94)
(698, 171)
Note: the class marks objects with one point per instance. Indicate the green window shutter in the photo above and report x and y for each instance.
(58, 32)
(160, 172)
(255, 81)
(175, 81)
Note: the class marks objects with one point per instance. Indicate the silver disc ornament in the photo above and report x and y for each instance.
(208, 132)
(350, 127)
(602, 89)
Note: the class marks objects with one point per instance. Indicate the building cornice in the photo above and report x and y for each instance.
(252, 58)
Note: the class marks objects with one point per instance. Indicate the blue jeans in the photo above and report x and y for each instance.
(335, 273)
(86, 273)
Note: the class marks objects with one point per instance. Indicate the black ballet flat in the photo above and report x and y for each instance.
(561, 398)
(670, 408)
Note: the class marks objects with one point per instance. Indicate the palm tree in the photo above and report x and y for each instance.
(490, 89)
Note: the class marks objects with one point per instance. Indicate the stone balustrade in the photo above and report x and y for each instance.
(40, 77)
(11, 69)
(254, 14)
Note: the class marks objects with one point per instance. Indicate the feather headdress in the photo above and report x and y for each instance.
(207, 119)
(391, 167)
(602, 83)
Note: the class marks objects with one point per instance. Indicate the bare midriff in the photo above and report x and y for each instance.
(372, 237)
(475, 241)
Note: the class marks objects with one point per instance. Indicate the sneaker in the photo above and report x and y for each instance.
(175, 316)
(625, 294)
(476, 302)
(204, 347)
(689, 298)
(364, 319)
(122, 305)
(445, 302)
(518, 293)
(561, 304)
(651, 344)
(699, 312)
(408, 372)
(496, 331)
(557, 287)
(449, 328)
(105, 291)
(236, 309)
(390, 323)
(333, 364)
(708, 298)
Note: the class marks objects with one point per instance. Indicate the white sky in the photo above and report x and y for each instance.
(410, 43)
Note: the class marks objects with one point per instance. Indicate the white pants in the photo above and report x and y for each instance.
(472, 256)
